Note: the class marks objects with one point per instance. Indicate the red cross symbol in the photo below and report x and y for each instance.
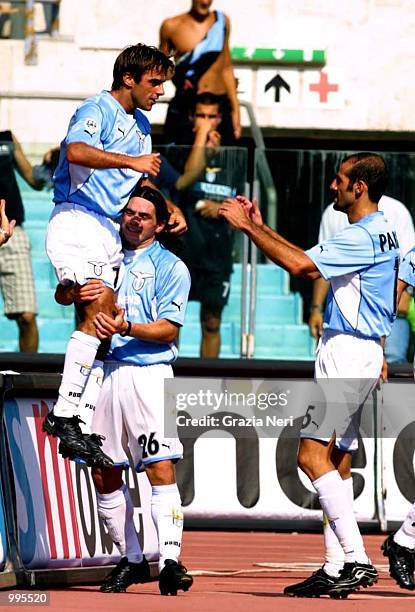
(323, 87)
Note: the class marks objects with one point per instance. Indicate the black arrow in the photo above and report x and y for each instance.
(277, 82)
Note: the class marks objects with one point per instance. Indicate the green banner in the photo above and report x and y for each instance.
(260, 55)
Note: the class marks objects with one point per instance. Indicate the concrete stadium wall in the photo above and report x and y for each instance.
(369, 57)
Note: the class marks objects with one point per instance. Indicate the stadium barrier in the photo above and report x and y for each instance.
(54, 535)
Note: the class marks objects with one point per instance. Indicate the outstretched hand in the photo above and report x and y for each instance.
(234, 211)
(251, 209)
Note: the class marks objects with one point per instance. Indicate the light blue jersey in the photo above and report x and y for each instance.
(362, 264)
(407, 268)
(155, 285)
(102, 122)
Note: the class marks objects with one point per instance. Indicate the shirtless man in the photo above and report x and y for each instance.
(199, 41)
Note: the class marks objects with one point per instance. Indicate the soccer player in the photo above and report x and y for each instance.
(332, 222)
(361, 263)
(106, 151)
(399, 547)
(153, 296)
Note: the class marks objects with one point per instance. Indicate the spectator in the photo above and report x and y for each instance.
(6, 226)
(16, 275)
(51, 12)
(208, 178)
(199, 40)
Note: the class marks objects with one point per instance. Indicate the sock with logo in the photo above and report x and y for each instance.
(166, 510)
(405, 536)
(117, 513)
(89, 398)
(335, 503)
(334, 555)
(79, 357)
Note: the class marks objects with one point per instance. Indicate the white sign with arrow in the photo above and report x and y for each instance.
(277, 87)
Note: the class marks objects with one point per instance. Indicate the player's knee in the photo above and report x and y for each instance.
(211, 324)
(104, 303)
(161, 473)
(303, 458)
(26, 319)
(107, 480)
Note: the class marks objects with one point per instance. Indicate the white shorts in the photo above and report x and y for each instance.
(82, 245)
(357, 362)
(130, 414)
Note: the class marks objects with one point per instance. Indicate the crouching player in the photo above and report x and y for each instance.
(152, 301)
(399, 547)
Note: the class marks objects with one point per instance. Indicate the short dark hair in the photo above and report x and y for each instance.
(208, 98)
(370, 168)
(138, 59)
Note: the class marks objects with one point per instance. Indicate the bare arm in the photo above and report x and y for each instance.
(402, 285)
(83, 154)
(197, 160)
(165, 43)
(230, 83)
(279, 250)
(24, 167)
(6, 225)
(315, 322)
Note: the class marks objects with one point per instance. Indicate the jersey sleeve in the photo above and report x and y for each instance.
(407, 268)
(86, 125)
(348, 251)
(174, 293)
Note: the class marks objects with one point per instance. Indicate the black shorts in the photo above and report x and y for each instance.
(210, 288)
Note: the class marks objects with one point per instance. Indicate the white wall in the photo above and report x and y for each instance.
(369, 44)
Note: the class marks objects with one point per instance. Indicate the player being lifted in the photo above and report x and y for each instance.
(106, 151)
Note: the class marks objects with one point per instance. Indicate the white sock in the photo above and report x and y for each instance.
(79, 357)
(90, 395)
(405, 536)
(117, 513)
(166, 510)
(336, 505)
(334, 554)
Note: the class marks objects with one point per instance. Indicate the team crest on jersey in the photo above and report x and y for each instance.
(97, 266)
(139, 279)
(140, 135)
(90, 126)
(211, 174)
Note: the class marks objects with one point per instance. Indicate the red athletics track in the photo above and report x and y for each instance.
(248, 571)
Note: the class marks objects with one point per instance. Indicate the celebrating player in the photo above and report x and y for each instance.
(153, 295)
(106, 151)
(361, 263)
